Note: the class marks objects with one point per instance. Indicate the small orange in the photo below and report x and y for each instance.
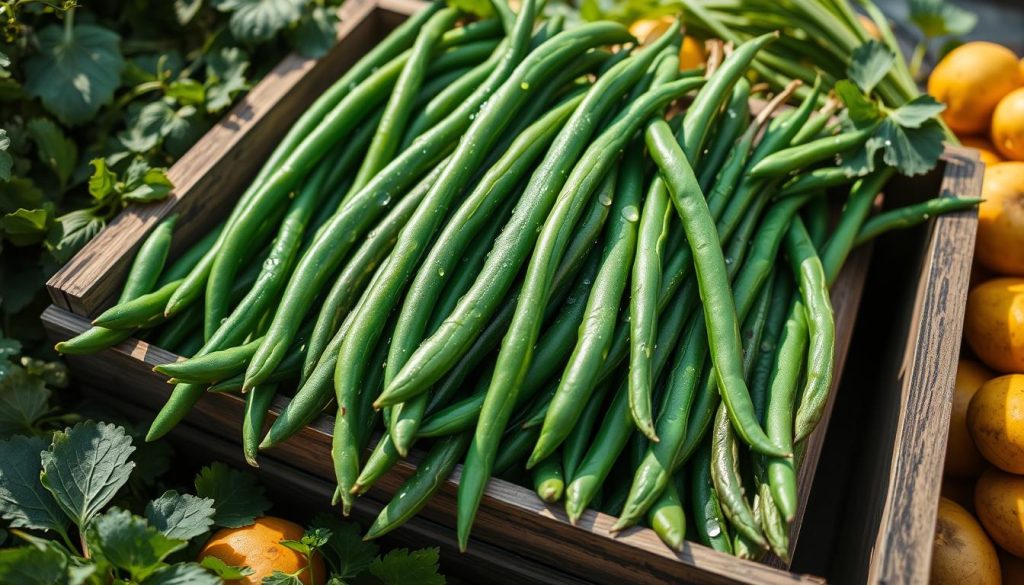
(994, 323)
(986, 150)
(1000, 243)
(259, 547)
(962, 457)
(647, 30)
(995, 418)
(691, 54)
(1008, 125)
(870, 27)
(961, 552)
(971, 80)
(999, 502)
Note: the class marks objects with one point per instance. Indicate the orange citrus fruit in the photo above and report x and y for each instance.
(995, 418)
(999, 503)
(961, 552)
(259, 547)
(994, 323)
(1008, 125)
(1000, 242)
(971, 80)
(962, 457)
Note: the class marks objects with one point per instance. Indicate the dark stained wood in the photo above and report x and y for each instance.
(512, 523)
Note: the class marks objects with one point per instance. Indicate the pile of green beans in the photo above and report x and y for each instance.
(501, 244)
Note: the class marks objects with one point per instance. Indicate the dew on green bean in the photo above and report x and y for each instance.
(631, 213)
(713, 529)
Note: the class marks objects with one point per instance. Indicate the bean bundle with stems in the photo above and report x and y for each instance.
(545, 253)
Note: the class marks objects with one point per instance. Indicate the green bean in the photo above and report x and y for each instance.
(737, 114)
(257, 401)
(173, 334)
(712, 527)
(779, 416)
(719, 309)
(213, 366)
(448, 99)
(514, 356)
(668, 518)
(786, 126)
(191, 257)
(430, 474)
(575, 445)
(437, 353)
(345, 291)
(801, 156)
(513, 450)
(289, 369)
(912, 215)
(464, 55)
(400, 103)
(816, 124)
(548, 481)
(773, 524)
(602, 309)
(728, 486)
(139, 311)
(142, 276)
(815, 180)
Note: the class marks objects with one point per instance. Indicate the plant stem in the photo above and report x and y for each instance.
(917, 59)
(69, 27)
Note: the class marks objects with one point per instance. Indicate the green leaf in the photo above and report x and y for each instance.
(56, 150)
(224, 570)
(74, 72)
(345, 550)
(25, 227)
(182, 574)
(155, 186)
(914, 151)
(180, 516)
(6, 162)
(400, 566)
(19, 192)
(24, 503)
(72, 231)
(317, 32)
(869, 64)
(184, 129)
(862, 161)
(143, 132)
(862, 111)
(225, 77)
(186, 10)
(237, 498)
(85, 467)
(128, 543)
(255, 21)
(102, 181)
(937, 18)
(917, 111)
(280, 578)
(24, 399)
(29, 565)
(9, 347)
(187, 92)
(54, 374)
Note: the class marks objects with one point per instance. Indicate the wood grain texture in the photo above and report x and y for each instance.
(210, 176)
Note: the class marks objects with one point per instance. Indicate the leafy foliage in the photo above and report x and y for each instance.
(26, 386)
(936, 18)
(402, 566)
(238, 499)
(180, 516)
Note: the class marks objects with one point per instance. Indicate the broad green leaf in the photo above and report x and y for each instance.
(182, 574)
(317, 32)
(862, 161)
(24, 399)
(102, 181)
(184, 129)
(255, 21)
(24, 503)
(72, 231)
(18, 193)
(345, 551)
(85, 467)
(74, 74)
(225, 77)
(400, 566)
(155, 186)
(180, 516)
(914, 151)
(25, 227)
(6, 162)
(55, 149)
(237, 498)
(862, 111)
(938, 18)
(186, 10)
(917, 111)
(135, 174)
(29, 565)
(143, 128)
(224, 570)
(128, 543)
(869, 64)
(187, 92)
(9, 347)
(280, 578)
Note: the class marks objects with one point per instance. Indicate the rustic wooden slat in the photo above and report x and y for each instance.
(209, 177)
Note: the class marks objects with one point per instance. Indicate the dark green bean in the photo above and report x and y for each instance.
(257, 401)
(726, 478)
(548, 481)
(911, 215)
(712, 527)
(668, 518)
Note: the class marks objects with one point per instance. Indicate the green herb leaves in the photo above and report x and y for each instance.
(76, 71)
(237, 498)
(401, 566)
(253, 21)
(936, 18)
(24, 503)
(6, 162)
(85, 467)
(909, 137)
(129, 543)
(180, 516)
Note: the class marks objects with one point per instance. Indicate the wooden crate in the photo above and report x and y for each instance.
(512, 520)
